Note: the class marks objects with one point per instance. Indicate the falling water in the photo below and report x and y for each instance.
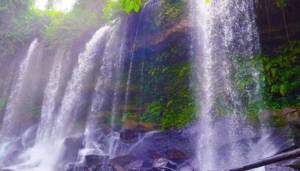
(52, 130)
(73, 94)
(128, 84)
(49, 102)
(116, 96)
(105, 97)
(105, 82)
(12, 113)
(226, 30)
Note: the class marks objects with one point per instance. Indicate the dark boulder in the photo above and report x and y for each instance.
(72, 146)
(140, 165)
(104, 167)
(142, 129)
(175, 144)
(122, 160)
(74, 142)
(76, 167)
(164, 163)
(93, 159)
(128, 135)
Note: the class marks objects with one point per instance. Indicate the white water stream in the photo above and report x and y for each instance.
(12, 113)
(52, 130)
(226, 31)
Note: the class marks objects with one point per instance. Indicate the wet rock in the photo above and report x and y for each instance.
(76, 167)
(192, 165)
(128, 135)
(74, 142)
(175, 144)
(140, 165)
(122, 160)
(99, 137)
(105, 167)
(164, 163)
(72, 145)
(280, 166)
(143, 129)
(93, 159)
(295, 164)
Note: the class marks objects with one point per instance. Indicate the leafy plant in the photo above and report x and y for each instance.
(110, 10)
(18, 22)
(129, 5)
(152, 114)
(282, 71)
(64, 28)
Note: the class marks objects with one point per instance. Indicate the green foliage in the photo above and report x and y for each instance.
(18, 22)
(282, 3)
(113, 7)
(129, 115)
(169, 14)
(164, 87)
(129, 5)
(153, 113)
(64, 28)
(110, 10)
(282, 72)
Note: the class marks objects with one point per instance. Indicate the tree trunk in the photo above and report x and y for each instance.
(269, 160)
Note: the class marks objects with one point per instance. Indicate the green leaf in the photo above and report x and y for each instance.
(136, 7)
(138, 2)
(122, 4)
(268, 66)
(129, 6)
(169, 103)
(282, 89)
(274, 89)
(273, 71)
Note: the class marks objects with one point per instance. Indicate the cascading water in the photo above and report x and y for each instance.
(13, 109)
(103, 99)
(49, 102)
(149, 4)
(52, 130)
(12, 113)
(226, 33)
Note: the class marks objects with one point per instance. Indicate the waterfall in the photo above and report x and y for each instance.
(73, 94)
(49, 103)
(52, 130)
(106, 94)
(150, 4)
(226, 33)
(11, 122)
